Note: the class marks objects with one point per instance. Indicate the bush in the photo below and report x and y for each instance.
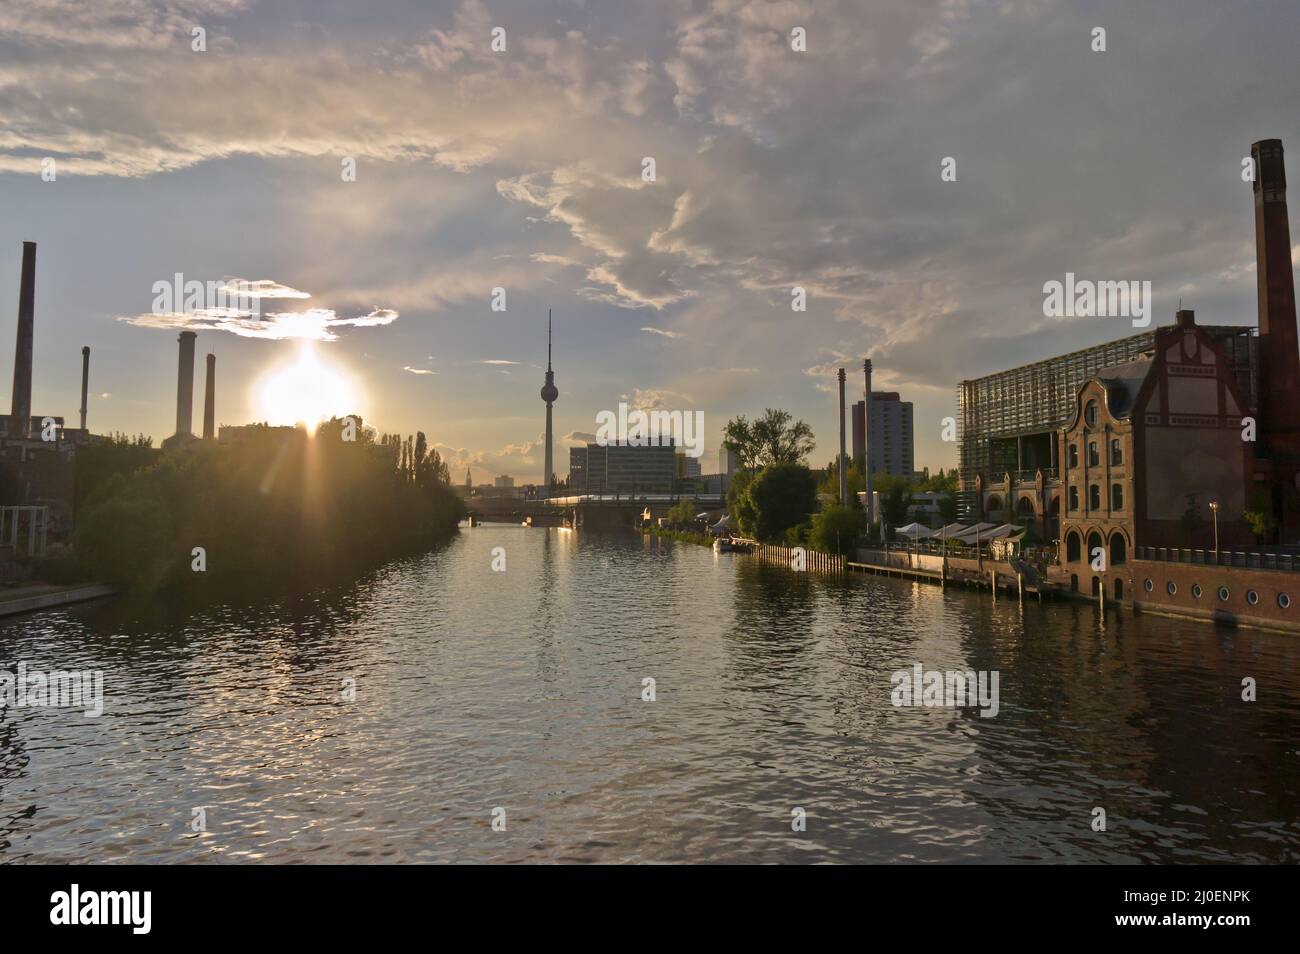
(836, 530)
(267, 509)
(780, 497)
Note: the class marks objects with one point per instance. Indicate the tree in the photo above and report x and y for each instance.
(782, 495)
(1191, 520)
(682, 515)
(836, 529)
(772, 439)
(947, 509)
(1263, 523)
(895, 500)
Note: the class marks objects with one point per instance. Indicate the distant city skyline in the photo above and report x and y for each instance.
(523, 170)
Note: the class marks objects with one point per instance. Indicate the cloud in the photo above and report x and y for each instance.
(316, 324)
(661, 331)
(498, 361)
(418, 370)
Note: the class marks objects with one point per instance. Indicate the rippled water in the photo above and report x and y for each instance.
(522, 690)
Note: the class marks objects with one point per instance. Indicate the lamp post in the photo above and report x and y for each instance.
(1214, 509)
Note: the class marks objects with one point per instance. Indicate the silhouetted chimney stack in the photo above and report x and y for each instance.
(1279, 350)
(20, 419)
(1278, 346)
(185, 385)
(210, 399)
(85, 382)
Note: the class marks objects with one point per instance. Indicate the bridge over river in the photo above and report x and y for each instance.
(590, 510)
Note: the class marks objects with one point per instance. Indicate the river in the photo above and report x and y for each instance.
(516, 696)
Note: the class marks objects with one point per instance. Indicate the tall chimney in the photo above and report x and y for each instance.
(844, 486)
(1279, 397)
(210, 399)
(866, 438)
(185, 384)
(20, 420)
(85, 381)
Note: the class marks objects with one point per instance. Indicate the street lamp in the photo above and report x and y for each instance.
(1214, 509)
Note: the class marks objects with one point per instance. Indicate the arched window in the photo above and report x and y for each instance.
(1090, 414)
(1094, 497)
(1116, 451)
(1074, 498)
(995, 503)
(1096, 543)
(1072, 545)
(1025, 507)
(1074, 455)
(1094, 460)
(1118, 549)
(1116, 496)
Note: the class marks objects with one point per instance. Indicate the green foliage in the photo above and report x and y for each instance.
(895, 499)
(271, 507)
(739, 505)
(1191, 520)
(683, 514)
(781, 496)
(947, 509)
(771, 439)
(836, 529)
(98, 463)
(1263, 522)
(853, 477)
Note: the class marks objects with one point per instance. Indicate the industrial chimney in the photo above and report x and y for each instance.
(210, 399)
(1279, 359)
(85, 381)
(20, 419)
(185, 385)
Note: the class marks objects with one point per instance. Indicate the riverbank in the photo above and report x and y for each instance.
(37, 596)
(685, 536)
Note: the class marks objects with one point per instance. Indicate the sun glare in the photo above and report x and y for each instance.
(306, 391)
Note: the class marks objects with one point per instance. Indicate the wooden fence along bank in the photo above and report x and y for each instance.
(814, 560)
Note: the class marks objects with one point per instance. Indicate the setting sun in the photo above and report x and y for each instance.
(306, 391)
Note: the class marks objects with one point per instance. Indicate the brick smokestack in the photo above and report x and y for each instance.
(20, 420)
(85, 382)
(1279, 351)
(210, 400)
(185, 384)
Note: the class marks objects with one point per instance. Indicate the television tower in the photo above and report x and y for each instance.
(549, 393)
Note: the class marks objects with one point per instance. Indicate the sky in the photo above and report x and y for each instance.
(523, 169)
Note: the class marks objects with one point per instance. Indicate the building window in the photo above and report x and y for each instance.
(1117, 497)
(1223, 593)
(1283, 601)
(1074, 455)
(1148, 585)
(1171, 588)
(1072, 547)
(1090, 413)
(1093, 459)
(1074, 498)
(1116, 452)
(1196, 590)
(1118, 549)
(1094, 497)
(1252, 597)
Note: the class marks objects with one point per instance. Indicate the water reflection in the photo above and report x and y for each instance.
(521, 689)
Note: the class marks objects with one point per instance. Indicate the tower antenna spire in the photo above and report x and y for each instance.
(548, 339)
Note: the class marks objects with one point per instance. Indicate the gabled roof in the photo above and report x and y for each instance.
(1123, 382)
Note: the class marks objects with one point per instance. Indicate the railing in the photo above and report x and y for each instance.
(1029, 476)
(1245, 559)
(812, 560)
